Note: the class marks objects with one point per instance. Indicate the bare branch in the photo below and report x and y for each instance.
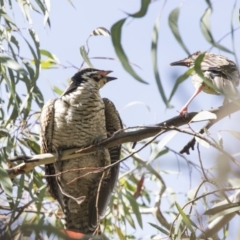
(133, 134)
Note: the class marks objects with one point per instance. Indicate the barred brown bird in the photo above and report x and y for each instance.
(219, 70)
(80, 117)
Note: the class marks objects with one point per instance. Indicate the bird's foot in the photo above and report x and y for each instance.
(97, 140)
(184, 112)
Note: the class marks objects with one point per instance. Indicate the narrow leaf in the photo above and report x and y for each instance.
(154, 53)
(225, 212)
(220, 208)
(185, 218)
(203, 115)
(119, 233)
(100, 31)
(48, 54)
(10, 63)
(6, 184)
(180, 80)
(143, 10)
(159, 229)
(173, 24)
(135, 208)
(7, 18)
(198, 70)
(85, 56)
(57, 90)
(116, 32)
(47, 11)
(206, 31)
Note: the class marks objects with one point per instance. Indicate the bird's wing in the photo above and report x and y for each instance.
(223, 72)
(113, 124)
(46, 134)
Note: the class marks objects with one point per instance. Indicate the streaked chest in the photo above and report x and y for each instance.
(79, 119)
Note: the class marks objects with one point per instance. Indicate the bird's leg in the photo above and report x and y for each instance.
(185, 107)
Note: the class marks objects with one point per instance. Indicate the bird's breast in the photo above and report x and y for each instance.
(78, 120)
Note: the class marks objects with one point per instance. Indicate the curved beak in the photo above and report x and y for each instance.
(105, 73)
(185, 62)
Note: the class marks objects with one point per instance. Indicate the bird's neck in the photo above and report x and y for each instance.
(83, 92)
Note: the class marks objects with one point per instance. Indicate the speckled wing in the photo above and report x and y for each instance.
(113, 124)
(46, 134)
(222, 72)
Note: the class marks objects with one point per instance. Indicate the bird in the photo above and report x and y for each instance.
(221, 72)
(77, 118)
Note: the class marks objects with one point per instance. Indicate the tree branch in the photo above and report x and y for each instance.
(132, 134)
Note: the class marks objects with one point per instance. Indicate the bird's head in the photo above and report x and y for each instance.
(187, 62)
(90, 76)
(94, 76)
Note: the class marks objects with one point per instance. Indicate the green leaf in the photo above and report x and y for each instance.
(24, 5)
(173, 24)
(7, 185)
(225, 212)
(154, 53)
(85, 57)
(57, 90)
(221, 208)
(26, 103)
(206, 31)
(7, 18)
(135, 208)
(185, 218)
(10, 63)
(159, 229)
(44, 11)
(47, 11)
(119, 233)
(37, 55)
(3, 133)
(33, 145)
(198, 70)
(143, 10)
(47, 64)
(116, 32)
(128, 216)
(180, 80)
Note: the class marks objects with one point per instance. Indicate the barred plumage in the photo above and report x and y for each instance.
(219, 70)
(80, 117)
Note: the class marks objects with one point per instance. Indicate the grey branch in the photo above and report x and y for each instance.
(132, 134)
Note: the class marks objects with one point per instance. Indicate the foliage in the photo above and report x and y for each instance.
(25, 203)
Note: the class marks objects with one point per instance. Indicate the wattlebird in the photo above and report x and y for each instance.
(220, 71)
(78, 118)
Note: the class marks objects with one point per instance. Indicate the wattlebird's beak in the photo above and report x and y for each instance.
(185, 62)
(105, 73)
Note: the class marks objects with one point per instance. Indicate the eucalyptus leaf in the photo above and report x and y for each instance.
(116, 33)
(173, 24)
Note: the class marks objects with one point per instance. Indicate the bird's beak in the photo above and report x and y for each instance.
(185, 62)
(105, 73)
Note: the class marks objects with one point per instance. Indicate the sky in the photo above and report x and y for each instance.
(70, 28)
